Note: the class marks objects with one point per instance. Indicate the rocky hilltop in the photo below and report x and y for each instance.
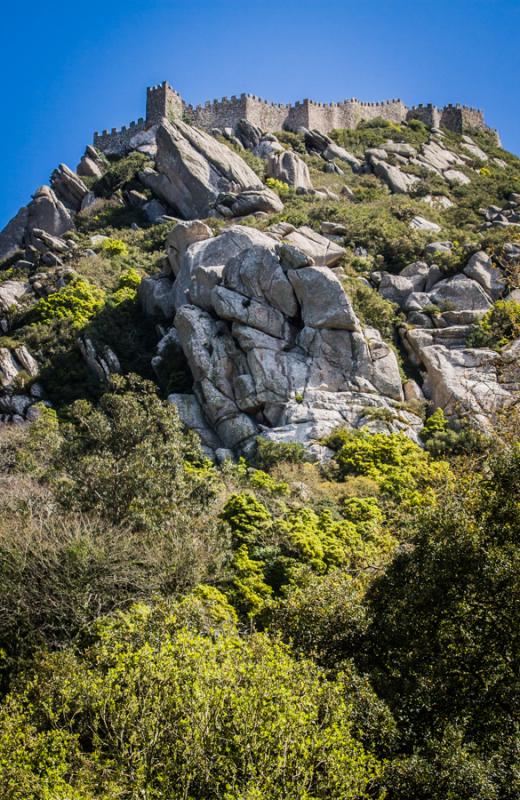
(280, 285)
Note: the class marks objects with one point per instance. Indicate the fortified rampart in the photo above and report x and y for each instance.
(164, 102)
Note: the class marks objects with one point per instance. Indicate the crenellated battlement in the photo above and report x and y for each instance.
(163, 102)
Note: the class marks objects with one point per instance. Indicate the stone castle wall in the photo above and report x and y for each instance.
(162, 101)
(118, 139)
(461, 118)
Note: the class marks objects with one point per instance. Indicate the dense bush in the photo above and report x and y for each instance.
(371, 308)
(129, 460)
(444, 642)
(164, 710)
(281, 188)
(402, 470)
(120, 173)
(114, 247)
(78, 301)
(498, 327)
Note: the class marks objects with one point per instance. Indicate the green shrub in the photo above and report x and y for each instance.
(114, 247)
(269, 453)
(246, 517)
(78, 301)
(401, 468)
(444, 638)
(127, 285)
(163, 711)
(371, 308)
(129, 460)
(281, 188)
(293, 140)
(121, 173)
(498, 327)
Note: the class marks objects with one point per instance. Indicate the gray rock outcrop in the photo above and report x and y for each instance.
(471, 383)
(12, 236)
(273, 350)
(192, 169)
(48, 213)
(69, 187)
(16, 404)
(289, 168)
(92, 164)
(397, 180)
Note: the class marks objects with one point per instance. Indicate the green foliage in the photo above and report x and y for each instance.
(372, 309)
(269, 453)
(401, 468)
(78, 301)
(445, 767)
(440, 439)
(375, 132)
(281, 188)
(116, 457)
(323, 617)
(246, 517)
(498, 327)
(248, 590)
(295, 141)
(114, 247)
(162, 710)
(120, 174)
(35, 763)
(444, 638)
(127, 285)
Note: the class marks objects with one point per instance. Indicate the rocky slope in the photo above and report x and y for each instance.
(291, 284)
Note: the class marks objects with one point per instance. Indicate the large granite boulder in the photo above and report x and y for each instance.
(12, 236)
(275, 351)
(460, 293)
(249, 135)
(69, 187)
(289, 168)
(46, 212)
(398, 181)
(193, 169)
(92, 164)
(192, 247)
(156, 295)
(11, 292)
(252, 200)
(480, 267)
(472, 383)
(334, 152)
(319, 248)
(323, 301)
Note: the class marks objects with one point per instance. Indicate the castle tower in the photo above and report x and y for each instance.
(163, 101)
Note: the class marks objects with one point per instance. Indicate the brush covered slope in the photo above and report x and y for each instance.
(259, 466)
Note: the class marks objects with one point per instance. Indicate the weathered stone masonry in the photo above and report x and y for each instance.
(163, 101)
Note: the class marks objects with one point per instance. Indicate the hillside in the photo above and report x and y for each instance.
(259, 465)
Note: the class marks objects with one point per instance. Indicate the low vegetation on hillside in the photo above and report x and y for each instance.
(271, 629)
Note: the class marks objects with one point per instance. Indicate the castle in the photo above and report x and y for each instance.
(164, 102)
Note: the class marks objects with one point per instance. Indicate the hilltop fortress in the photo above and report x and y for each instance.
(164, 102)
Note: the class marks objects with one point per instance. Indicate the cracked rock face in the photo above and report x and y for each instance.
(277, 351)
(193, 169)
(466, 382)
(290, 168)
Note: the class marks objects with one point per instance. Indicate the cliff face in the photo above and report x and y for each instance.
(369, 280)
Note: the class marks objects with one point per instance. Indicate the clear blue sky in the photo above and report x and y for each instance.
(67, 69)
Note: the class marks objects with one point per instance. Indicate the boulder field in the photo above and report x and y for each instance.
(260, 309)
